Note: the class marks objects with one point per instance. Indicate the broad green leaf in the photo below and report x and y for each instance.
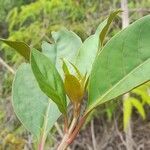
(127, 112)
(33, 108)
(49, 50)
(21, 47)
(73, 88)
(86, 54)
(122, 65)
(48, 79)
(89, 49)
(138, 106)
(66, 43)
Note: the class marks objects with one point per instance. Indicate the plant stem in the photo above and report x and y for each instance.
(72, 126)
(65, 123)
(41, 144)
(7, 66)
(76, 114)
(63, 145)
(73, 135)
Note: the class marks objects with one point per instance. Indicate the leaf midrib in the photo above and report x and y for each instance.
(105, 94)
(45, 122)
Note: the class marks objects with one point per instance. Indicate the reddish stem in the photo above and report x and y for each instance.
(72, 131)
(41, 144)
(65, 124)
(76, 130)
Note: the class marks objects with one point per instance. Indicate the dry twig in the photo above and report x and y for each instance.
(3, 63)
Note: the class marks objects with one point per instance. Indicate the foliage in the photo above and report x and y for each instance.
(137, 103)
(49, 79)
(39, 20)
(106, 80)
(38, 104)
(29, 21)
(120, 79)
(6, 6)
(10, 139)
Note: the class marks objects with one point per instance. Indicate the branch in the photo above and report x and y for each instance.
(6, 66)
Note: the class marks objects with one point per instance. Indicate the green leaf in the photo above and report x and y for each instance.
(86, 54)
(49, 50)
(127, 112)
(33, 108)
(144, 95)
(66, 43)
(138, 106)
(122, 65)
(107, 25)
(89, 49)
(65, 68)
(77, 72)
(73, 88)
(48, 79)
(21, 47)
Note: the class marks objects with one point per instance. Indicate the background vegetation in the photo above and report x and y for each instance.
(116, 125)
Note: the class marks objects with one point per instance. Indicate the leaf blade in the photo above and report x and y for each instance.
(90, 47)
(73, 88)
(21, 47)
(115, 76)
(139, 107)
(48, 79)
(65, 46)
(107, 25)
(31, 104)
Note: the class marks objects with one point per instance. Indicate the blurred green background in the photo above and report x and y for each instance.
(32, 21)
